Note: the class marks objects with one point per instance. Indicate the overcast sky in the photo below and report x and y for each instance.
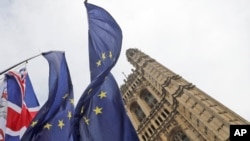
(206, 42)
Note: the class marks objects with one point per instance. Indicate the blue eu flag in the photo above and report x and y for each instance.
(53, 121)
(100, 114)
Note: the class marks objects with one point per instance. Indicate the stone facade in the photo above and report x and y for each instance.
(165, 107)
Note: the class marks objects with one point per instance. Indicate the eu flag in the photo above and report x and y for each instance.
(100, 114)
(53, 121)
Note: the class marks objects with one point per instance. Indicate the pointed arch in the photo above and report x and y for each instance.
(177, 134)
(136, 109)
(148, 98)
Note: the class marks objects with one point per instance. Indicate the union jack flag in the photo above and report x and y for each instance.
(1, 135)
(22, 104)
(3, 108)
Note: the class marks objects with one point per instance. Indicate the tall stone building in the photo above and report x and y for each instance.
(165, 107)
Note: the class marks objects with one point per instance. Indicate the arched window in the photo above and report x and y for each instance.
(178, 135)
(136, 109)
(148, 98)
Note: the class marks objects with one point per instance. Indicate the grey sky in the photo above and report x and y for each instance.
(206, 42)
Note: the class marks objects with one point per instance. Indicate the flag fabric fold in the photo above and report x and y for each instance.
(22, 104)
(100, 114)
(53, 121)
(105, 40)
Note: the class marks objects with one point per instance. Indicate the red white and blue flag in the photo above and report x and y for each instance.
(22, 104)
(3, 108)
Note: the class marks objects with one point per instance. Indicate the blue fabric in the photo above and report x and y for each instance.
(100, 114)
(30, 97)
(53, 121)
(14, 91)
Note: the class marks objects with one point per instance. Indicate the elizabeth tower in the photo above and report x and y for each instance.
(165, 107)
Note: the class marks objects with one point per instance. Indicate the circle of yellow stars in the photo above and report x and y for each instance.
(61, 122)
(97, 110)
(103, 57)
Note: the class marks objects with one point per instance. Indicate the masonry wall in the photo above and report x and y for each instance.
(165, 107)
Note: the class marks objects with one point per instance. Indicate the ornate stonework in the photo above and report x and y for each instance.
(165, 107)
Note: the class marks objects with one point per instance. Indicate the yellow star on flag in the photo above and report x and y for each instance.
(102, 94)
(98, 110)
(103, 56)
(65, 96)
(86, 120)
(82, 110)
(33, 124)
(60, 123)
(69, 115)
(110, 55)
(89, 91)
(98, 63)
(71, 101)
(47, 126)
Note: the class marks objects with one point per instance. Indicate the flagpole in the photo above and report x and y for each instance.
(19, 64)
